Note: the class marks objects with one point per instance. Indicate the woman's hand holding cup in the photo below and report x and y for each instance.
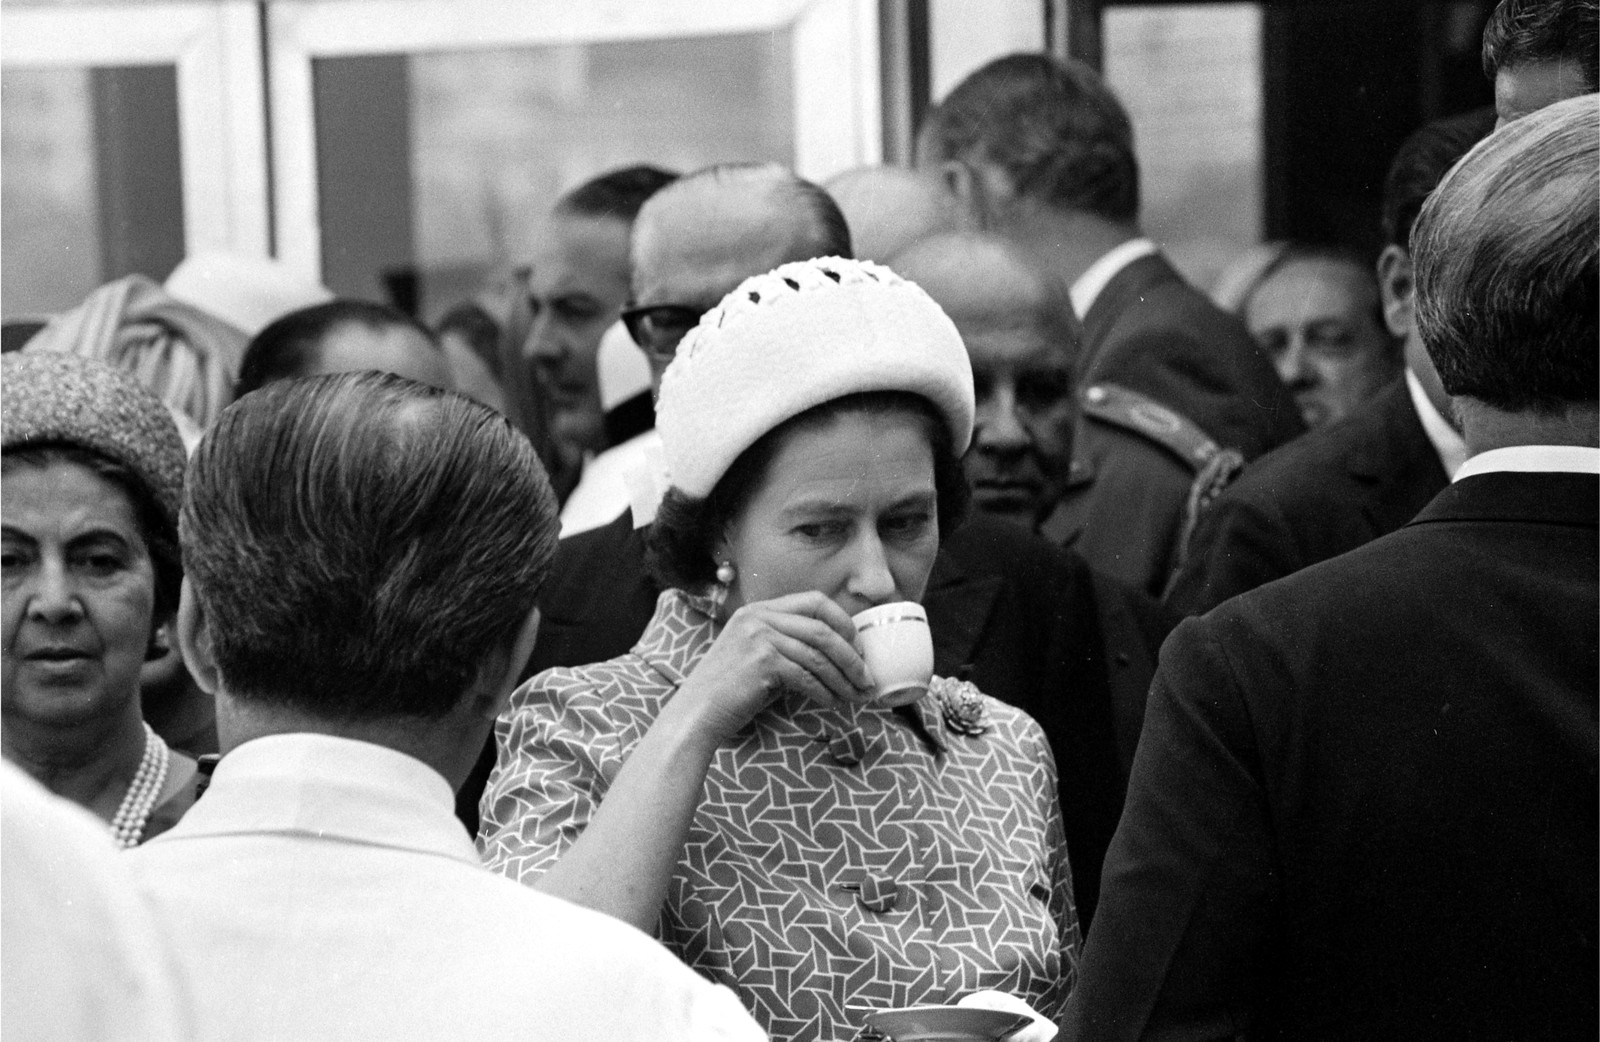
(802, 642)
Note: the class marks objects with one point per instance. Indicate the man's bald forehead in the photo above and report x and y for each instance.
(702, 217)
(888, 208)
(977, 276)
(716, 214)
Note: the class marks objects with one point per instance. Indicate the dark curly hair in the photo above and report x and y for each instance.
(680, 543)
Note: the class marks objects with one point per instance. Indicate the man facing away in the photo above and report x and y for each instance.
(1364, 801)
(1040, 152)
(362, 558)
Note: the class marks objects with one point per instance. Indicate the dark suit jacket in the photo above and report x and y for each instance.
(1025, 621)
(1151, 331)
(1315, 498)
(1365, 801)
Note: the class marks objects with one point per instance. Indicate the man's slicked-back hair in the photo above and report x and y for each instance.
(362, 546)
(1505, 253)
(616, 194)
(1527, 32)
(287, 348)
(1054, 127)
(1422, 160)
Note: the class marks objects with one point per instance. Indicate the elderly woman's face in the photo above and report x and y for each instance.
(79, 593)
(848, 509)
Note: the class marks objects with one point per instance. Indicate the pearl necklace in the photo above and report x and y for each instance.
(143, 791)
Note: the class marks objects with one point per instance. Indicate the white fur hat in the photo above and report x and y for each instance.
(794, 338)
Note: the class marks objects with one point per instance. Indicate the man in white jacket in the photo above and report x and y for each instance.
(363, 555)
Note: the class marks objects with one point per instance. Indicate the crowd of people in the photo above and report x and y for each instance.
(509, 676)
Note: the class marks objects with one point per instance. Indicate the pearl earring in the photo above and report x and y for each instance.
(725, 573)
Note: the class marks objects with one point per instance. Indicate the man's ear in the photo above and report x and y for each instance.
(1397, 290)
(492, 700)
(194, 641)
(964, 184)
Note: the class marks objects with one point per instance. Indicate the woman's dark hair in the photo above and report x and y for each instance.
(160, 538)
(680, 543)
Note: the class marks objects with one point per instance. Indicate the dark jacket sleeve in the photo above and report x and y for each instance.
(1189, 882)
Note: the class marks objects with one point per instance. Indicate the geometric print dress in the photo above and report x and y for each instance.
(838, 858)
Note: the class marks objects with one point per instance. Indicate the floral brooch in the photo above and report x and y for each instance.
(962, 705)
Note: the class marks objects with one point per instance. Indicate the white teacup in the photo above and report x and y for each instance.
(895, 641)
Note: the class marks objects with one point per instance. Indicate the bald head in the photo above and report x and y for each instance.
(984, 282)
(1021, 335)
(888, 208)
(701, 236)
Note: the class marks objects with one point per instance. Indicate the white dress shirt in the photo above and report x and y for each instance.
(322, 888)
(1533, 459)
(1446, 441)
(1098, 275)
(603, 491)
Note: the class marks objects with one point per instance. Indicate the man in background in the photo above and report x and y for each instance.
(1315, 312)
(578, 285)
(1041, 153)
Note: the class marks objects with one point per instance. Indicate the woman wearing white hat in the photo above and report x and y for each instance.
(733, 783)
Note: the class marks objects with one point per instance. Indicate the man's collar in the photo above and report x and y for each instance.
(1088, 286)
(1533, 459)
(330, 787)
(1447, 443)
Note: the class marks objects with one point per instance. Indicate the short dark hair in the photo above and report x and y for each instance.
(1523, 32)
(362, 546)
(1053, 126)
(617, 194)
(1421, 162)
(1505, 252)
(160, 538)
(480, 330)
(681, 541)
(288, 346)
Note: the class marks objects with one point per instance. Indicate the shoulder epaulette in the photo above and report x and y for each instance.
(1143, 415)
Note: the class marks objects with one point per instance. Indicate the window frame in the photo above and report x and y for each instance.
(216, 49)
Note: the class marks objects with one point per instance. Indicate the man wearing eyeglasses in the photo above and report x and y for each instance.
(695, 243)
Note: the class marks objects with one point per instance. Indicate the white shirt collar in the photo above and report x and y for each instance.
(1533, 459)
(1101, 272)
(1446, 441)
(333, 787)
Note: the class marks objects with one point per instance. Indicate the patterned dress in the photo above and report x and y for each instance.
(838, 858)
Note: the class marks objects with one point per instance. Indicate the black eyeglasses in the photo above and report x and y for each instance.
(658, 327)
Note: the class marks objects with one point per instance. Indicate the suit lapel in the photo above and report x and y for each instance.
(1397, 462)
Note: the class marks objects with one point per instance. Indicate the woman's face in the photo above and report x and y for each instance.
(79, 593)
(848, 509)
